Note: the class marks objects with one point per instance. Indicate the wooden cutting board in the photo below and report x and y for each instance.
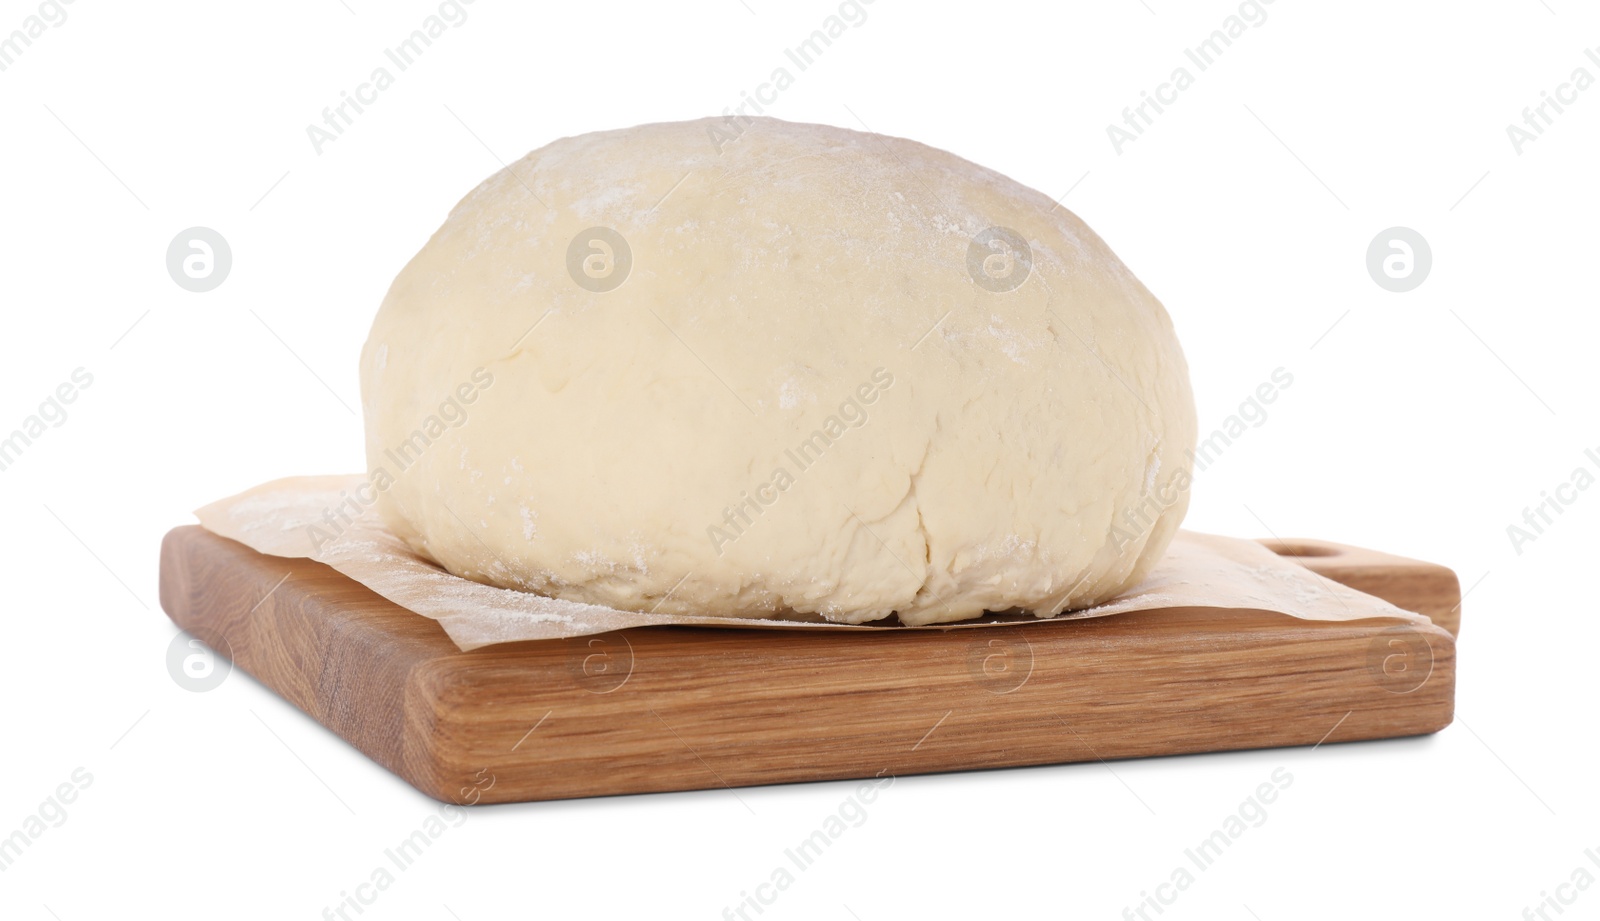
(675, 708)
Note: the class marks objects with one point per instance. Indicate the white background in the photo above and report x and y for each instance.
(1421, 423)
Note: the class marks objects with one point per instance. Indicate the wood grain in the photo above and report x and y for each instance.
(670, 708)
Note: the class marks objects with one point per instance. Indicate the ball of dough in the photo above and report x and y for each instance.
(763, 369)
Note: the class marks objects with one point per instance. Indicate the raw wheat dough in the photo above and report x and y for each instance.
(981, 449)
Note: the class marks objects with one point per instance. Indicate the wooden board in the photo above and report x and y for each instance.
(670, 708)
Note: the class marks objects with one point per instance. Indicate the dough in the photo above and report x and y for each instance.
(767, 369)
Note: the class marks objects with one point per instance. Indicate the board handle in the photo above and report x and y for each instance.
(1414, 585)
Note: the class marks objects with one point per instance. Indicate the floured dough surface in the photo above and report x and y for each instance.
(809, 394)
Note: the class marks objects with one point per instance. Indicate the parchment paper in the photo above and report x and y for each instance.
(279, 518)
